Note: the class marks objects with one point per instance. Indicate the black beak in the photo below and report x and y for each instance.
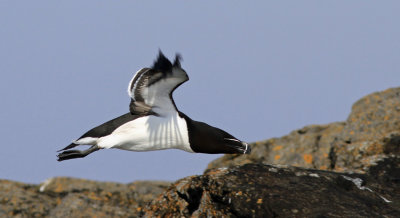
(239, 146)
(248, 148)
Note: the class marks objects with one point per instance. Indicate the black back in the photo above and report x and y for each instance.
(108, 127)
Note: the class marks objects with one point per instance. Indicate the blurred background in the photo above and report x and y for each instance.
(257, 70)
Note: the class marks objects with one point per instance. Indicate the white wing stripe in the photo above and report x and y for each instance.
(135, 78)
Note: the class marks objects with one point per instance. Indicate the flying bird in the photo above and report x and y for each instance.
(154, 122)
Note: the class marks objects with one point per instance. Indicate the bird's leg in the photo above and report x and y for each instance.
(71, 154)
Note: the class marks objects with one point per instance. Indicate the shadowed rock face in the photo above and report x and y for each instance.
(371, 133)
(256, 190)
(322, 185)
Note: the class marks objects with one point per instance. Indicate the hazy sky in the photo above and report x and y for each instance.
(257, 70)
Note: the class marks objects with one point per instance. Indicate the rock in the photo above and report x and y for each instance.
(371, 133)
(384, 178)
(68, 197)
(258, 190)
(23, 200)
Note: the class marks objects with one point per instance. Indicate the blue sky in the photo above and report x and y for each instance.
(257, 70)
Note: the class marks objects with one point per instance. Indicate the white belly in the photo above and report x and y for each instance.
(149, 133)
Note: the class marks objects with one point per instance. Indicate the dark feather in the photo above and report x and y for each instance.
(140, 108)
(162, 63)
(137, 76)
(72, 145)
(108, 127)
(177, 61)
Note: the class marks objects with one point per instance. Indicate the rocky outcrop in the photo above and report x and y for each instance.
(257, 190)
(343, 169)
(68, 197)
(370, 133)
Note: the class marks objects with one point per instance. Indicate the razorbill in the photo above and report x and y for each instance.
(154, 122)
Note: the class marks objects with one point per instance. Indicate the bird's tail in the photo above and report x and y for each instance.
(72, 145)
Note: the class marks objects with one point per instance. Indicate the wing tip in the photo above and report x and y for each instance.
(162, 63)
(177, 61)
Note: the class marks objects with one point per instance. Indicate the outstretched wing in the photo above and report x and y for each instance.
(151, 88)
(138, 90)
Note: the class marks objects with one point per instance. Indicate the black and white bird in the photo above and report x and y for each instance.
(154, 122)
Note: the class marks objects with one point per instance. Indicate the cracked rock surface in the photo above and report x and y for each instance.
(257, 190)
